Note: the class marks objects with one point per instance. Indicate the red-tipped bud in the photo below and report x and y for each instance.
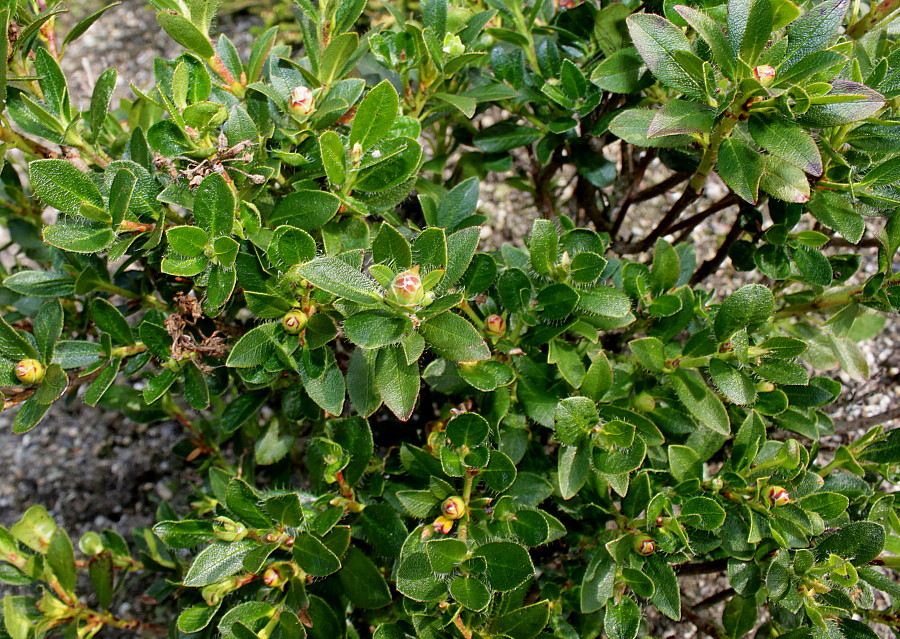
(30, 371)
(275, 577)
(442, 525)
(301, 101)
(644, 545)
(778, 496)
(495, 325)
(293, 321)
(406, 289)
(453, 508)
(765, 74)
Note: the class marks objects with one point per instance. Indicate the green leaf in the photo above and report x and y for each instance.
(749, 27)
(375, 116)
(739, 616)
(374, 329)
(701, 402)
(543, 246)
(667, 597)
(574, 465)
(681, 117)
(703, 513)
(622, 619)
(397, 382)
(649, 352)
(784, 181)
(214, 206)
(632, 125)
(741, 168)
(860, 542)
(837, 213)
(467, 429)
(711, 31)
(108, 319)
(416, 579)
(48, 326)
(787, 141)
(333, 157)
(505, 136)
(470, 593)
(187, 533)
(812, 31)
(574, 418)
(454, 338)
(749, 306)
(620, 72)
(218, 560)
(189, 241)
(62, 186)
(61, 559)
(339, 278)
(183, 31)
(314, 557)
(197, 617)
(79, 235)
(524, 622)
(737, 387)
(465, 104)
(101, 96)
(508, 564)
(658, 41)
(363, 583)
(12, 345)
(445, 554)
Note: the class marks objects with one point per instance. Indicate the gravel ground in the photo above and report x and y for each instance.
(94, 469)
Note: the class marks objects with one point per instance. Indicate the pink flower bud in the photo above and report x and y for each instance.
(765, 74)
(30, 371)
(406, 289)
(495, 325)
(293, 322)
(644, 545)
(301, 101)
(778, 496)
(453, 508)
(442, 525)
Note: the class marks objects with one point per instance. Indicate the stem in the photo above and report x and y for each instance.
(877, 14)
(711, 265)
(692, 222)
(467, 497)
(695, 186)
(702, 568)
(662, 187)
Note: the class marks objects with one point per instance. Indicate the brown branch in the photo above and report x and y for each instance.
(702, 567)
(637, 176)
(703, 625)
(712, 600)
(692, 222)
(711, 265)
(873, 420)
(661, 188)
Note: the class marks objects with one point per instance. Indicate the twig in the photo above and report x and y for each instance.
(873, 420)
(703, 624)
(702, 567)
(709, 266)
(661, 188)
(712, 600)
(637, 176)
(692, 222)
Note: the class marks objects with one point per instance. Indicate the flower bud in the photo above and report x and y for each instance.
(778, 496)
(356, 154)
(453, 507)
(442, 525)
(293, 322)
(495, 325)
(406, 289)
(644, 545)
(765, 74)
(53, 608)
(30, 371)
(645, 403)
(275, 577)
(228, 530)
(91, 544)
(302, 101)
(453, 46)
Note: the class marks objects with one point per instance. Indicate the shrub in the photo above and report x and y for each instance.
(396, 434)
